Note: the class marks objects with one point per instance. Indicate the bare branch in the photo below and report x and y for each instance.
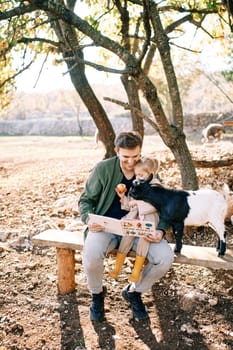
(215, 83)
(26, 40)
(126, 106)
(146, 22)
(177, 23)
(41, 69)
(193, 10)
(12, 77)
(98, 67)
(198, 25)
(184, 48)
(17, 11)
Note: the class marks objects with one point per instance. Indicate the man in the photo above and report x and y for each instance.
(100, 197)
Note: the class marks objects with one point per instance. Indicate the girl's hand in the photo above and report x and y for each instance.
(155, 238)
(132, 203)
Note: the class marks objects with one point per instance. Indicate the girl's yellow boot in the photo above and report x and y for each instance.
(120, 258)
(138, 265)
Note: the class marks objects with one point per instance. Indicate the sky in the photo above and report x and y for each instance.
(55, 77)
(51, 78)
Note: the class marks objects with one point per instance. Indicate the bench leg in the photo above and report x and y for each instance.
(65, 270)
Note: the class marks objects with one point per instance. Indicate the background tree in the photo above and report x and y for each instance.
(143, 28)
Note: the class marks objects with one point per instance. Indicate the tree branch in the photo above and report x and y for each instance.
(41, 69)
(26, 40)
(15, 75)
(98, 67)
(17, 11)
(146, 22)
(126, 106)
(215, 83)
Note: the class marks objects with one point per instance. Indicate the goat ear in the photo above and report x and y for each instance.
(150, 177)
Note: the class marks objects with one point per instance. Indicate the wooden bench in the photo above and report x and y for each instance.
(67, 243)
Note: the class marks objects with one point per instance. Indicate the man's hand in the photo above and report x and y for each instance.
(155, 238)
(95, 227)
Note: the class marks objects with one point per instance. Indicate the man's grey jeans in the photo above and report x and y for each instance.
(97, 244)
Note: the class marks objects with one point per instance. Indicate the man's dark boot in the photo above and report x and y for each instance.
(137, 306)
(97, 306)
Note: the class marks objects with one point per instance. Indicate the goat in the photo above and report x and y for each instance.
(179, 208)
(229, 213)
(214, 131)
(97, 138)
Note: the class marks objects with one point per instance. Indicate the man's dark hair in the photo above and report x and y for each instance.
(130, 139)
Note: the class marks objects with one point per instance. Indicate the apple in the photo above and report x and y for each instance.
(121, 188)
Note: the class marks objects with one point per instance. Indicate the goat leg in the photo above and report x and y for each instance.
(178, 232)
(221, 246)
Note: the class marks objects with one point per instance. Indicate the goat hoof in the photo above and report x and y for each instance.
(222, 248)
(220, 254)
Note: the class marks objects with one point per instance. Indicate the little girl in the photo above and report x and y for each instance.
(141, 210)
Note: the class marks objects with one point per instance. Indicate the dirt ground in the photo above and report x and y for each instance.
(190, 308)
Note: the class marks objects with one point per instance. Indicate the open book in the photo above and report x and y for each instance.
(124, 227)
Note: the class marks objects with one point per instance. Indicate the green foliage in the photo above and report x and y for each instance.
(22, 39)
(25, 36)
(228, 75)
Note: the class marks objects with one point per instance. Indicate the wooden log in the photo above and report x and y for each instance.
(228, 123)
(215, 163)
(65, 270)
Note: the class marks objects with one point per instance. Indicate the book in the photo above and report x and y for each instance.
(124, 227)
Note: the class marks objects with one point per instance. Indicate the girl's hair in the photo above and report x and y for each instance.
(148, 164)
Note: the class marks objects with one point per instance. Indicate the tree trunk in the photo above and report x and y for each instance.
(106, 132)
(127, 81)
(184, 161)
(171, 135)
(162, 42)
(73, 57)
(134, 103)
